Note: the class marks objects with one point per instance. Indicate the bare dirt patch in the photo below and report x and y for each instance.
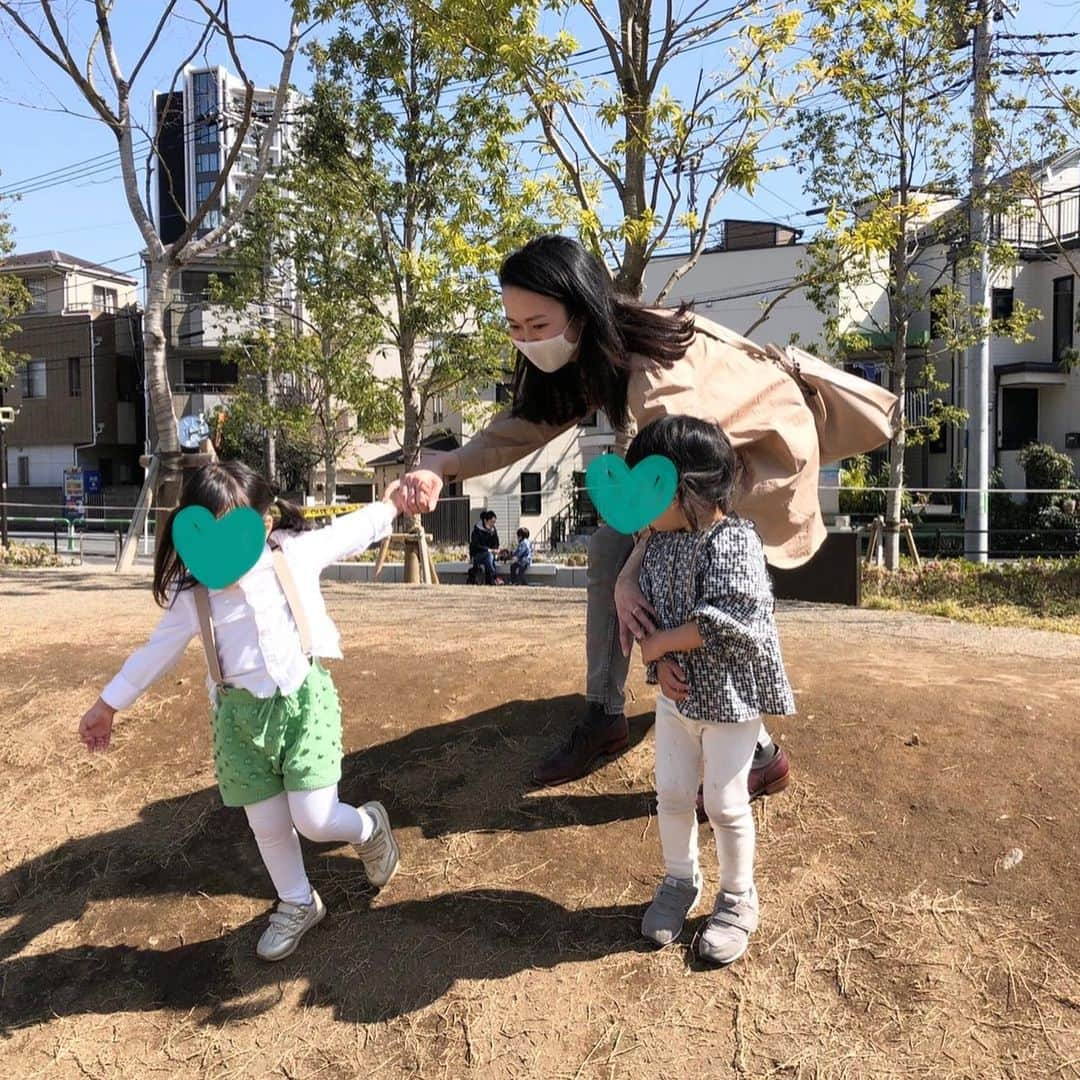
(894, 941)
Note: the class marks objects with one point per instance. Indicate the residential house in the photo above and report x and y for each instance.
(79, 394)
(754, 290)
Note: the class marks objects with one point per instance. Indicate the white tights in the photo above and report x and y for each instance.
(685, 748)
(317, 815)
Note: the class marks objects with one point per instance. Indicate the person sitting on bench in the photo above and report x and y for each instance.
(521, 560)
(483, 542)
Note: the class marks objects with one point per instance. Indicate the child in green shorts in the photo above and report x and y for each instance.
(276, 716)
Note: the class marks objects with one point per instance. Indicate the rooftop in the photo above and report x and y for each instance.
(33, 260)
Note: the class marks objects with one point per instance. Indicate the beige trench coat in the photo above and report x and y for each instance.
(726, 379)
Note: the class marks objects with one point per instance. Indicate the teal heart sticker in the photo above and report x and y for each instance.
(631, 499)
(218, 551)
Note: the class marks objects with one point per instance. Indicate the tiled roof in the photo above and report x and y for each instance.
(32, 259)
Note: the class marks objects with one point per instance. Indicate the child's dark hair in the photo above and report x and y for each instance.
(219, 487)
(487, 515)
(523, 533)
(704, 458)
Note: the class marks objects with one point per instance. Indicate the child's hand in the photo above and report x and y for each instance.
(654, 646)
(95, 728)
(395, 494)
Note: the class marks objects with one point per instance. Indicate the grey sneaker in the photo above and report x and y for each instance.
(664, 917)
(380, 853)
(287, 926)
(727, 933)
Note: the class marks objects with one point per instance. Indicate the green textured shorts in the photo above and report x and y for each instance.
(263, 746)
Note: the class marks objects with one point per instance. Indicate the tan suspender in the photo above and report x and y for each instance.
(292, 598)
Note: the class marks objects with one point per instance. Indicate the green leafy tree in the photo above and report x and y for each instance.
(895, 240)
(667, 160)
(420, 134)
(303, 261)
(103, 67)
(14, 300)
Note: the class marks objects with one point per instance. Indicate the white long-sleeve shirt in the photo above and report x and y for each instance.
(257, 639)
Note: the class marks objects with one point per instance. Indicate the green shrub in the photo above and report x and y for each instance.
(1046, 588)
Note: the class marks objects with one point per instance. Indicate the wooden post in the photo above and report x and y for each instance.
(905, 528)
(142, 508)
(425, 558)
(384, 550)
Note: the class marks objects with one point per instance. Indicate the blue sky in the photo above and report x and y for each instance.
(88, 216)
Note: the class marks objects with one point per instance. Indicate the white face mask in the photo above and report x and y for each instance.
(550, 354)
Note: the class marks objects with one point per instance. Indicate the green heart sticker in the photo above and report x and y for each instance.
(218, 551)
(630, 499)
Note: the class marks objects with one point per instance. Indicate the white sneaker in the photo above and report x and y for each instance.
(380, 852)
(287, 926)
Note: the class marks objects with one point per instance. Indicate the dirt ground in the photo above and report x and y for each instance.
(896, 941)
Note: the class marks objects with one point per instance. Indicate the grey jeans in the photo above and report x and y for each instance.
(607, 668)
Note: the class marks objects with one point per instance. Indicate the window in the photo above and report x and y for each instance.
(530, 493)
(33, 379)
(204, 91)
(39, 293)
(1063, 316)
(24, 472)
(207, 162)
(203, 190)
(104, 299)
(207, 372)
(1019, 417)
(205, 134)
(1001, 304)
(74, 376)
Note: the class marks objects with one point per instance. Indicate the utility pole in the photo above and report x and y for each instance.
(977, 515)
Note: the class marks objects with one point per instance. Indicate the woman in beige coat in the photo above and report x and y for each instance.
(581, 347)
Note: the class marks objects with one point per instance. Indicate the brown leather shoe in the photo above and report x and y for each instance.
(769, 778)
(599, 736)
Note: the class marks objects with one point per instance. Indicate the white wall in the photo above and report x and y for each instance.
(733, 287)
(47, 464)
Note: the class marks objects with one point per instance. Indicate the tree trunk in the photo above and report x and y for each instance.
(166, 435)
(635, 27)
(330, 460)
(894, 498)
(410, 445)
(271, 439)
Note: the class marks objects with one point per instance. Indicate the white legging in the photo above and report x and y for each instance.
(726, 751)
(317, 815)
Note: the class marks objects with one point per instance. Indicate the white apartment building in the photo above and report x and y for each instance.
(1035, 399)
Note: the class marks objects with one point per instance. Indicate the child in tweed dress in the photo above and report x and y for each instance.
(704, 573)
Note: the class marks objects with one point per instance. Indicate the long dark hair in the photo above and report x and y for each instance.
(705, 460)
(612, 327)
(219, 487)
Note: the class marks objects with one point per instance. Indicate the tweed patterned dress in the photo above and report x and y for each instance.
(718, 578)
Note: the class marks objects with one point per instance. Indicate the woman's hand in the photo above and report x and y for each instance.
(636, 614)
(672, 680)
(95, 728)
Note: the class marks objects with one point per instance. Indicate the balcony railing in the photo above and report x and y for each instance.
(1055, 220)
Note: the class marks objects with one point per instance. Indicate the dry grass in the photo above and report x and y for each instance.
(507, 946)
